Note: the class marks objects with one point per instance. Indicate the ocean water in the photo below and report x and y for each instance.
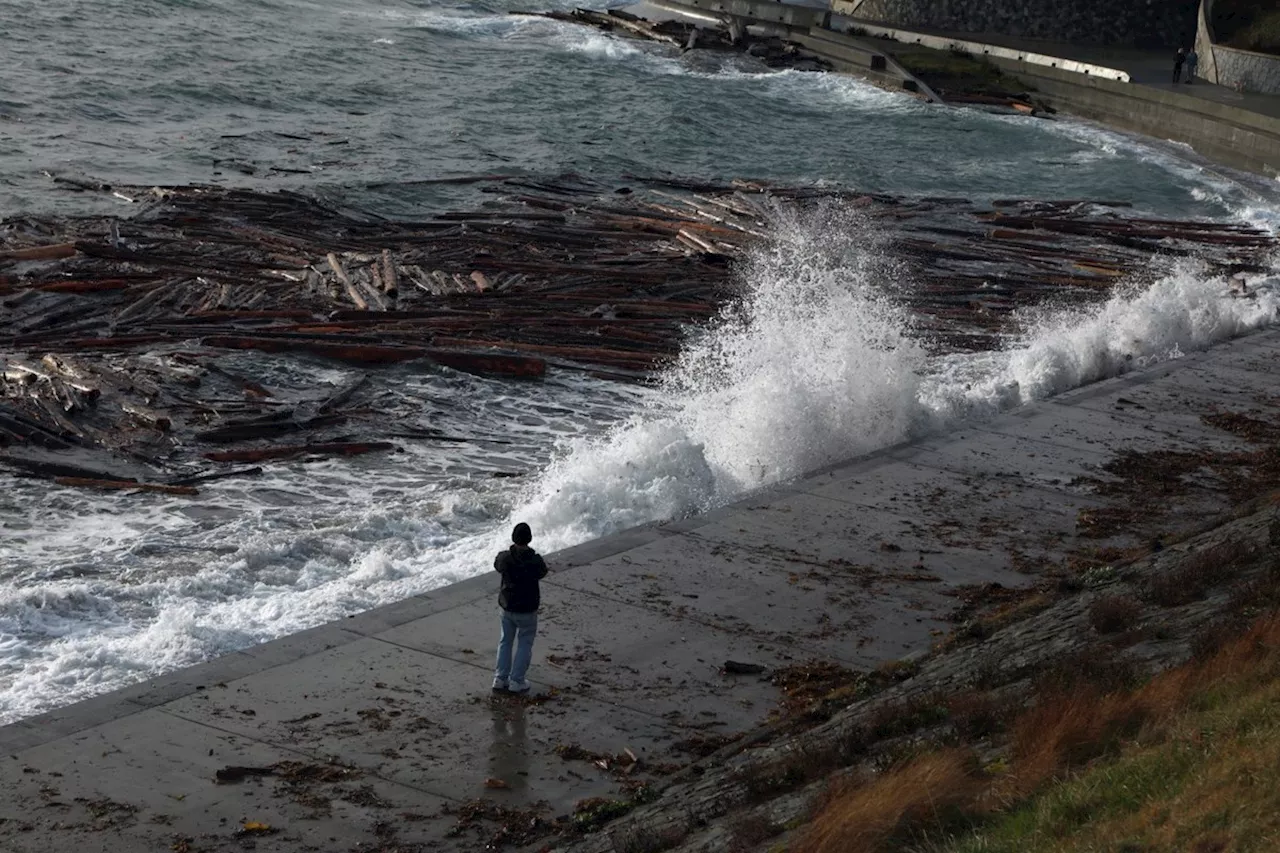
(365, 100)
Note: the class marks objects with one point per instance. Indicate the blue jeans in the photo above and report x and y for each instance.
(520, 629)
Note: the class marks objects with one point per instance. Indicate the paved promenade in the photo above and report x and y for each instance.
(1145, 67)
(375, 733)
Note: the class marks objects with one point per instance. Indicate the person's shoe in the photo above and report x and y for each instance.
(519, 687)
(500, 685)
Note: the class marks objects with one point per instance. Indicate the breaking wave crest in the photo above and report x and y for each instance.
(816, 362)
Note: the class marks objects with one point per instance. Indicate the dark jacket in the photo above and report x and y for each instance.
(521, 569)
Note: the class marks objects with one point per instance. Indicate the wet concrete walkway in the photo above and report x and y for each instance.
(1151, 68)
(374, 733)
(1145, 68)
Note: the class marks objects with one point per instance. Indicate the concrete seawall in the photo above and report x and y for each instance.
(1230, 66)
(1235, 135)
(380, 727)
(1229, 135)
(1099, 21)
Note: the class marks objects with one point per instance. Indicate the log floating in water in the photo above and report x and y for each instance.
(266, 428)
(50, 468)
(118, 485)
(563, 272)
(351, 353)
(159, 420)
(490, 363)
(341, 273)
(216, 475)
(39, 253)
(265, 454)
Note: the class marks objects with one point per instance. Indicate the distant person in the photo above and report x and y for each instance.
(1193, 61)
(1178, 60)
(521, 568)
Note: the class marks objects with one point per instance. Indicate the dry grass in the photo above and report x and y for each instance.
(805, 761)
(1199, 573)
(927, 791)
(1091, 668)
(1201, 774)
(903, 718)
(750, 832)
(1114, 613)
(976, 715)
(1066, 728)
(1069, 727)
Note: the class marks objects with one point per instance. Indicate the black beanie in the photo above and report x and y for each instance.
(522, 535)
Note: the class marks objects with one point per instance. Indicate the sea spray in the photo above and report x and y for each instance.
(814, 362)
(1184, 309)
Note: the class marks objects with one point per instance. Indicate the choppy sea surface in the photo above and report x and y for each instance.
(365, 101)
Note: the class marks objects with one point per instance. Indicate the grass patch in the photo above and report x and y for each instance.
(750, 832)
(1195, 576)
(1113, 613)
(868, 817)
(955, 72)
(977, 715)
(1190, 760)
(805, 761)
(1206, 778)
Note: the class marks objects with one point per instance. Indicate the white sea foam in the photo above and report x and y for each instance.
(579, 39)
(816, 363)
(461, 22)
(662, 60)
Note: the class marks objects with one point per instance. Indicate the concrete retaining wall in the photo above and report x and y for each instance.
(1162, 24)
(845, 53)
(1229, 66)
(1221, 132)
(1249, 71)
(841, 22)
(765, 11)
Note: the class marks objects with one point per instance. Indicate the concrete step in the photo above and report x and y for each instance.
(832, 46)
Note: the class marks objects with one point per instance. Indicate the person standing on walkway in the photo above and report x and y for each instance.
(1179, 58)
(521, 568)
(1193, 60)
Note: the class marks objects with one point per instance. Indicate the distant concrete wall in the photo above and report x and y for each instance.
(1143, 23)
(1221, 132)
(1208, 68)
(1229, 66)
(807, 27)
(765, 11)
(1249, 71)
(843, 24)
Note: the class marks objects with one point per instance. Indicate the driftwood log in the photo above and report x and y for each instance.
(114, 334)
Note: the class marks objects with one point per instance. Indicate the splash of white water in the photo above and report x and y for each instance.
(815, 363)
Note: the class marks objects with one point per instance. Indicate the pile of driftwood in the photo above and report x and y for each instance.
(114, 333)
